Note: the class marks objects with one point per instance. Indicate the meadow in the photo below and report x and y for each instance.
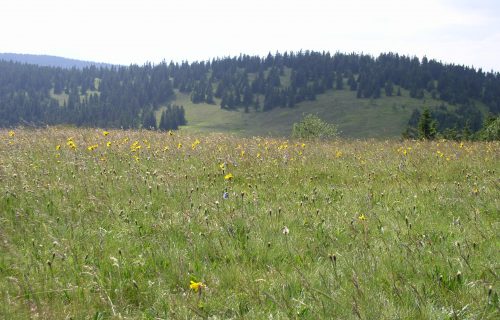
(146, 225)
(383, 118)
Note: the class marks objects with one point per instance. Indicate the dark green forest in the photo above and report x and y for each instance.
(128, 96)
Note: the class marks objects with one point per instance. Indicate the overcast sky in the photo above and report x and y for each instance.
(135, 31)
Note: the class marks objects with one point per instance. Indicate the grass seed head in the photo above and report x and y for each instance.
(285, 231)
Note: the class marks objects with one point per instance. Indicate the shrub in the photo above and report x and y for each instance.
(491, 130)
(312, 127)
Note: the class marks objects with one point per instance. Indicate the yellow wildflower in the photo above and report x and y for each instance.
(105, 133)
(362, 217)
(11, 133)
(135, 146)
(108, 144)
(196, 286)
(179, 145)
(195, 143)
(58, 147)
(228, 176)
(283, 146)
(71, 144)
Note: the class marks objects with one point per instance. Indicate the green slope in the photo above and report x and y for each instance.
(356, 118)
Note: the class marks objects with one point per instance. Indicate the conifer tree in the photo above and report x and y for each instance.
(427, 127)
(149, 121)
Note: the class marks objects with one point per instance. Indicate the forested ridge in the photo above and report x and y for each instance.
(50, 61)
(128, 96)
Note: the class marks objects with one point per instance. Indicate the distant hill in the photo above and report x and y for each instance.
(49, 61)
(365, 96)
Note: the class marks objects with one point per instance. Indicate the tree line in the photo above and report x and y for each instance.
(463, 124)
(118, 97)
(242, 80)
(127, 96)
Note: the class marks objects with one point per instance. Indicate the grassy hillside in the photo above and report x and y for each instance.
(386, 117)
(149, 225)
(126, 97)
(356, 118)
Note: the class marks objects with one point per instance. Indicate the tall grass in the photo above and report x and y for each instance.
(118, 224)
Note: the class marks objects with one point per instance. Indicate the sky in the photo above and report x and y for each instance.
(465, 32)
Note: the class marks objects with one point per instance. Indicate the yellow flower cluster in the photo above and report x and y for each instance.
(404, 151)
(135, 146)
(70, 143)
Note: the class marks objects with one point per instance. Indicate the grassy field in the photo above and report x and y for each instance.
(386, 117)
(147, 225)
